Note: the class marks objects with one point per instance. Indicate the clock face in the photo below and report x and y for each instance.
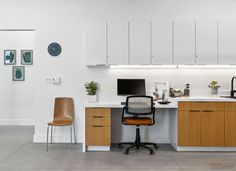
(54, 49)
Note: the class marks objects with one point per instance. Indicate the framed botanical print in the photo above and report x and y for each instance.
(18, 73)
(9, 57)
(26, 57)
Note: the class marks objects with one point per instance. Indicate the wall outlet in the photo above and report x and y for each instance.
(48, 80)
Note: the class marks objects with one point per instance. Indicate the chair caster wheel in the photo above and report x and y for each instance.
(126, 152)
(152, 152)
(120, 146)
(155, 146)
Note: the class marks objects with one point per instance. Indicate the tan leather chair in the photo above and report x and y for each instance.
(63, 116)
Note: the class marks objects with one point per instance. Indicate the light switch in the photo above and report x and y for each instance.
(56, 80)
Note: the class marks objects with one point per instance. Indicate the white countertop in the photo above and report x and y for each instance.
(213, 99)
(173, 104)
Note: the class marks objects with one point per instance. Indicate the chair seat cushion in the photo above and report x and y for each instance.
(138, 121)
(60, 122)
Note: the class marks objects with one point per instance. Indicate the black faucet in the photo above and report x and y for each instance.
(232, 87)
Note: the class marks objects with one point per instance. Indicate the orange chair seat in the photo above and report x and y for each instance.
(138, 121)
(60, 123)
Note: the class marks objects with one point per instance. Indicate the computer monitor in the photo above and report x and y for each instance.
(131, 87)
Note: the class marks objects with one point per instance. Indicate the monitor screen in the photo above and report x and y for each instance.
(131, 87)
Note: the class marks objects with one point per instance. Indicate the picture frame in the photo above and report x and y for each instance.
(18, 73)
(26, 57)
(9, 57)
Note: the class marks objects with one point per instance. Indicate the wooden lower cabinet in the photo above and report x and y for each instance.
(213, 128)
(203, 124)
(189, 128)
(230, 128)
(98, 126)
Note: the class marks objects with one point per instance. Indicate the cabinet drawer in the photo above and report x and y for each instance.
(98, 136)
(230, 106)
(102, 112)
(201, 106)
(97, 120)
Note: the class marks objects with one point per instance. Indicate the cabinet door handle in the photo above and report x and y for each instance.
(207, 110)
(97, 126)
(97, 116)
(195, 111)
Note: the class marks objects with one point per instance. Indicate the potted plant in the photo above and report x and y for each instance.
(91, 89)
(214, 87)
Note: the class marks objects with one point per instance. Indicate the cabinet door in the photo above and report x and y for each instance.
(162, 40)
(184, 42)
(227, 42)
(189, 128)
(212, 128)
(95, 44)
(206, 42)
(98, 135)
(140, 43)
(230, 128)
(117, 37)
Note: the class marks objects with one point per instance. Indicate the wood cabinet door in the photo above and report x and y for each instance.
(98, 135)
(184, 42)
(162, 42)
(189, 128)
(140, 43)
(212, 128)
(206, 42)
(117, 43)
(95, 43)
(230, 128)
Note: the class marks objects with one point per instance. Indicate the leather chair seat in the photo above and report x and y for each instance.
(138, 121)
(60, 122)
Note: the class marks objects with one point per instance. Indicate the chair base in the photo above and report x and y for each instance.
(137, 144)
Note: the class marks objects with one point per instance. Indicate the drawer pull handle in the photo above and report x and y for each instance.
(97, 116)
(207, 110)
(97, 126)
(195, 111)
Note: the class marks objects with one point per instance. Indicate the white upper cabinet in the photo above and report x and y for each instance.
(206, 42)
(161, 42)
(227, 42)
(140, 43)
(184, 42)
(95, 43)
(117, 37)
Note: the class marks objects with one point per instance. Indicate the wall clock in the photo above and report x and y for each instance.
(54, 49)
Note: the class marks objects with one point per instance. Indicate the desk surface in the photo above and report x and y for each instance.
(172, 105)
(118, 105)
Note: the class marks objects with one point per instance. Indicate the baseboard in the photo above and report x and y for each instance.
(17, 122)
(59, 138)
(225, 149)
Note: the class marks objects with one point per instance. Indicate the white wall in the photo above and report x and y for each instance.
(63, 21)
(17, 103)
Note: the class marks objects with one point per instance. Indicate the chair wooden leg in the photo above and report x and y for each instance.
(47, 138)
(51, 133)
(74, 132)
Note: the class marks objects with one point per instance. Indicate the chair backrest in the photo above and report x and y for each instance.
(139, 105)
(63, 108)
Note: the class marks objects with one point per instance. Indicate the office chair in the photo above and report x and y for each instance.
(138, 110)
(63, 116)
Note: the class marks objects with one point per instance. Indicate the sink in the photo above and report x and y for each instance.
(232, 97)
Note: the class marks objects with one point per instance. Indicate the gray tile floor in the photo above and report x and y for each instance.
(18, 153)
